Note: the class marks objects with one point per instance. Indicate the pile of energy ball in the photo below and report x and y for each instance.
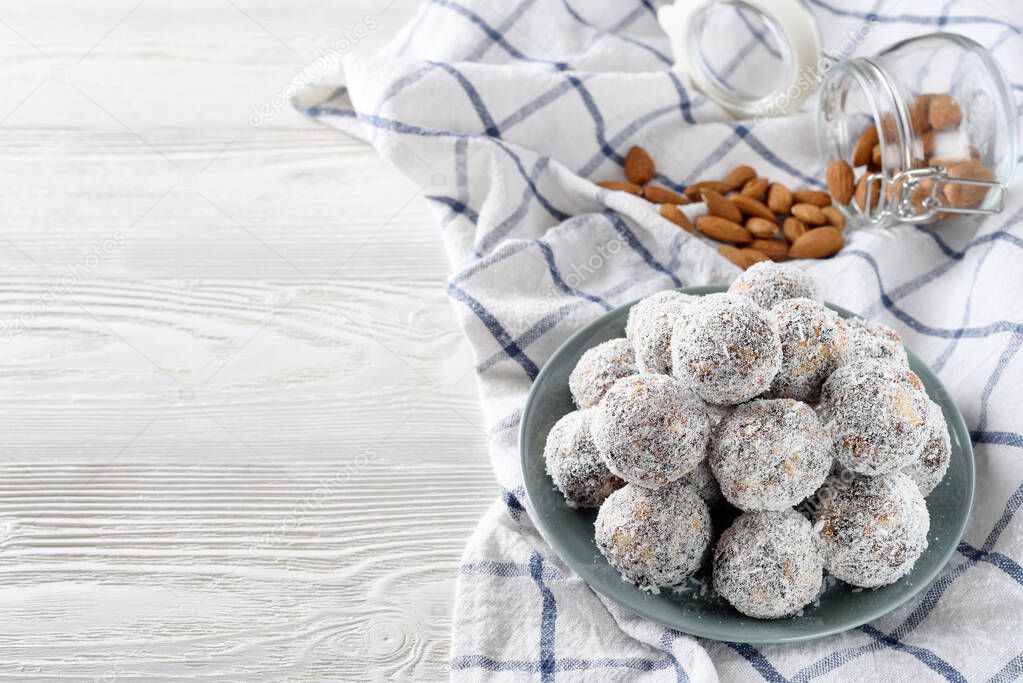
(764, 399)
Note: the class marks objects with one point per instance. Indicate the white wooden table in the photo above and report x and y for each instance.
(240, 430)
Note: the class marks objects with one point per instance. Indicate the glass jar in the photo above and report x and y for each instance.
(928, 125)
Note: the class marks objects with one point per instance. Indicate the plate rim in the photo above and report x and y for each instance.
(546, 529)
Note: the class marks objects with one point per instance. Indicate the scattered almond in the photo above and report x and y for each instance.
(755, 188)
(735, 255)
(660, 195)
(864, 146)
(943, 112)
(717, 205)
(834, 216)
(793, 228)
(776, 250)
(962, 196)
(752, 207)
(761, 227)
(810, 214)
(639, 167)
(621, 186)
(676, 216)
(815, 197)
(754, 255)
(779, 198)
(692, 192)
(818, 243)
(723, 230)
(841, 181)
(739, 176)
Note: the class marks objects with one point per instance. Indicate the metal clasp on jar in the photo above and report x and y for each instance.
(914, 195)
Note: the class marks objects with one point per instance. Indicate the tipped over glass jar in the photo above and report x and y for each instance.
(928, 125)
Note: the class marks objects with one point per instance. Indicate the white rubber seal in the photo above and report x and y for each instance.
(797, 26)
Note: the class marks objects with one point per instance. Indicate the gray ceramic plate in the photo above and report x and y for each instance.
(696, 610)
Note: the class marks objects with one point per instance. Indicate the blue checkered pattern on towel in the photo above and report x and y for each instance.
(504, 114)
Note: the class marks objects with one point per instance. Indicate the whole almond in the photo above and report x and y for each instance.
(660, 195)
(928, 142)
(834, 216)
(943, 112)
(841, 181)
(793, 228)
(621, 186)
(755, 188)
(815, 197)
(918, 112)
(717, 205)
(920, 193)
(861, 193)
(639, 167)
(810, 214)
(819, 243)
(864, 146)
(692, 192)
(723, 230)
(754, 255)
(761, 227)
(967, 195)
(776, 250)
(735, 255)
(779, 198)
(739, 176)
(676, 216)
(752, 207)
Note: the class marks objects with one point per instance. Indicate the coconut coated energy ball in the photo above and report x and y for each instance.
(814, 340)
(649, 329)
(651, 429)
(598, 369)
(574, 462)
(767, 283)
(770, 454)
(654, 537)
(767, 564)
(876, 414)
(872, 529)
(702, 479)
(868, 339)
(727, 348)
(929, 468)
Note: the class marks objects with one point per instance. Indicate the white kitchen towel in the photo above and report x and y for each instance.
(505, 115)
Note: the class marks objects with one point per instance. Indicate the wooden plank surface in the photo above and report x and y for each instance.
(241, 428)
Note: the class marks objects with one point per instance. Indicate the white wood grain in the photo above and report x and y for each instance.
(241, 433)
